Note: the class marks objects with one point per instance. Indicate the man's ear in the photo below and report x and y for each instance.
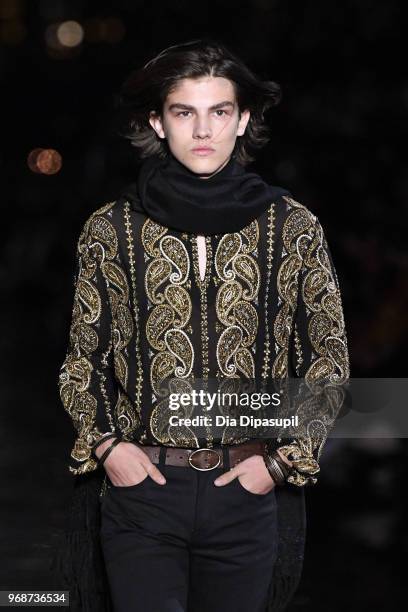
(156, 123)
(243, 122)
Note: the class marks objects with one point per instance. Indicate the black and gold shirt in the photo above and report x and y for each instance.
(269, 306)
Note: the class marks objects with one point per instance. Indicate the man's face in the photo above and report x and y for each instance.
(200, 120)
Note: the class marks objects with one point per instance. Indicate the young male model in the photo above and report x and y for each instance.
(198, 271)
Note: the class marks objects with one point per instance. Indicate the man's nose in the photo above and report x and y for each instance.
(202, 128)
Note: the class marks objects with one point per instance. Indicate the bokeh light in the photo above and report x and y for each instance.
(63, 39)
(70, 33)
(44, 161)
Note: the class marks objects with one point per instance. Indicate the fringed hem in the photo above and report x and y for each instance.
(282, 591)
(78, 567)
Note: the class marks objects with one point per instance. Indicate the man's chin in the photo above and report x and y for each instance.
(205, 167)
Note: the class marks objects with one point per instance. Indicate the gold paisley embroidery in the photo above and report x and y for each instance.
(121, 369)
(104, 234)
(227, 346)
(176, 253)
(160, 319)
(89, 296)
(306, 251)
(228, 248)
(246, 316)
(127, 419)
(167, 283)
(151, 233)
(97, 246)
(162, 366)
(157, 273)
(247, 269)
(178, 343)
(239, 276)
(180, 300)
(228, 296)
(117, 277)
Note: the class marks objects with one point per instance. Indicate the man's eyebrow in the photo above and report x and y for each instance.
(191, 108)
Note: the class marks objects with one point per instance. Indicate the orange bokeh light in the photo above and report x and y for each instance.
(44, 161)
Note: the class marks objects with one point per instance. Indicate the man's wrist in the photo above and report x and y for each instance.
(278, 466)
(102, 447)
(284, 458)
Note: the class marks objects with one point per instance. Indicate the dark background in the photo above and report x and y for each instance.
(338, 140)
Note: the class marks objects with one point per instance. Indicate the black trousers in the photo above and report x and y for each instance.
(188, 545)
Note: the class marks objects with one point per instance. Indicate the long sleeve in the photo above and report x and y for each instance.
(87, 384)
(318, 353)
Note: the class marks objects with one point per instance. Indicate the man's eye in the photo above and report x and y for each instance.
(183, 113)
(223, 112)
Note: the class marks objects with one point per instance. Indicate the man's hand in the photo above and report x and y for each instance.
(253, 475)
(127, 465)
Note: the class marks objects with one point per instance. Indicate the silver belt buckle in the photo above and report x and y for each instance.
(208, 451)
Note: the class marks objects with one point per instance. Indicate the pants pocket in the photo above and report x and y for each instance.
(138, 485)
(241, 487)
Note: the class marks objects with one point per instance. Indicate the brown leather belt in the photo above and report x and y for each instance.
(204, 459)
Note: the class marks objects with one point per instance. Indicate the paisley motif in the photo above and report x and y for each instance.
(239, 273)
(247, 269)
(280, 364)
(78, 371)
(322, 352)
(228, 296)
(100, 282)
(283, 325)
(319, 327)
(88, 294)
(86, 337)
(124, 326)
(227, 346)
(162, 367)
(117, 277)
(180, 346)
(314, 283)
(287, 279)
(176, 253)
(331, 304)
(121, 369)
(157, 273)
(103, 232)
(160, 319)
(296, 224)
(180, 300)
(251, 234)
(245, 362)
(245, 315)
(126, 416)
(228, 248)
(151, 233)
(167, 323)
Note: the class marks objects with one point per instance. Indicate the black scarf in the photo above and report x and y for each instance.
(177, 198)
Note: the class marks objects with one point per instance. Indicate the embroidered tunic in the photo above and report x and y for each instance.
(268, 307)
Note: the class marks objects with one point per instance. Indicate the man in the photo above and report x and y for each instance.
(200, 271)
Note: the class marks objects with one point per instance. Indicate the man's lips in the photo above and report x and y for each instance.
(203, 150)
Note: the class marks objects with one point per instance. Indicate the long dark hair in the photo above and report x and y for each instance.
(146, 90)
